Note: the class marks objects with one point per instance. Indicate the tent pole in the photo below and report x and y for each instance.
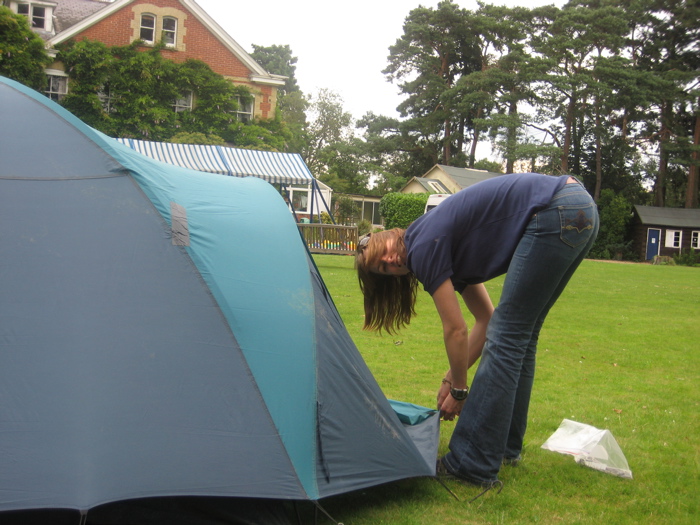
(446, 488)
(324, 202)
(312, 187)
(291, 204)
(318, 507)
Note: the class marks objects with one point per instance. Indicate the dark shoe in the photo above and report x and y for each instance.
(512, 462)
(443, 473)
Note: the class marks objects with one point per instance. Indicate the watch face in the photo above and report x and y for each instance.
(459, 394)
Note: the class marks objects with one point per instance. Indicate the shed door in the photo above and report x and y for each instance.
(653, 242)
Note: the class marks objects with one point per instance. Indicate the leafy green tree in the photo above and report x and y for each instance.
(278, 60)
(127, 92)
(437, 48)
(196, 138)
(291, 102)
(329, 127)
(22, 53)
(89, 65)
(488, 165)
(665, 45)
(489, 98)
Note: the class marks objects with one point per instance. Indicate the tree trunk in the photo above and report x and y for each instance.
(475, 141)
(512, 139)
(660, 186)
(598, 155)
(446, 149)
(691, 192)
(568, 125)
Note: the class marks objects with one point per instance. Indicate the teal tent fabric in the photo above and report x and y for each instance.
(165, 333)
(410, 414)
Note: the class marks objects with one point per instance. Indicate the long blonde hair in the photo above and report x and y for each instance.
(389, 300)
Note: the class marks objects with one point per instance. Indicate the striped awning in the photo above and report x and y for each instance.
(274, 167)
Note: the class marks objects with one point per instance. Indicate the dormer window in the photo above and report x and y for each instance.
(38, 13)
(148, 28)
(170, 31)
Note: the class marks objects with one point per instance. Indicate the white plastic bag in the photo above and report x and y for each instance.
(590, 447)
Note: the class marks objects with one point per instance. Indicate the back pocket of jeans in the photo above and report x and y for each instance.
(577, 224)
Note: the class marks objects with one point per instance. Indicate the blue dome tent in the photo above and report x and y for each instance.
(165, 333)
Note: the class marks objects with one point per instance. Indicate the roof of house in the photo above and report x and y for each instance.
(465, 177)
(675, 217)
(77, 15)
(429, 184)
(70, 12)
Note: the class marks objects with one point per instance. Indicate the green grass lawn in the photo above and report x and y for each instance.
(619, 351)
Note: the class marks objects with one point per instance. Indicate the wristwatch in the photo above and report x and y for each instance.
(459, 394)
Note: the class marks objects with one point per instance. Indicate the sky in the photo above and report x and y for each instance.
(340, 46)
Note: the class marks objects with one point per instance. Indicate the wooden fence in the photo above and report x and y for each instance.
(329, 238)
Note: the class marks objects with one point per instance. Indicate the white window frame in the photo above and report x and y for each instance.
(674, 239)
(435, 186)
(57, 85)
(184, 103)
(143, 27)
(374, 213)
(246, 109)
(300, 195)
(105, 96)
(32, 9)
(695, 240)
(169, 35)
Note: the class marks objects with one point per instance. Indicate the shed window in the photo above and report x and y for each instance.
(674, 238)
(148, 28)
(695, 240)
(169, 31)
(370, 212)
(300, 200)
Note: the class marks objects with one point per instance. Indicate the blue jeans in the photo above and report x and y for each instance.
(493, 420)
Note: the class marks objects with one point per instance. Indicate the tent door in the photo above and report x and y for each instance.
(653, 243)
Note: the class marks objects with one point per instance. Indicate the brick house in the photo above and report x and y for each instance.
(187, 31)
(664, 231)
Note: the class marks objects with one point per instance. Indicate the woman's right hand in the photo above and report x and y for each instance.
(443, 392)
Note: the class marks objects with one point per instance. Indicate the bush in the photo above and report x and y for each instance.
(615, 216)
(22, 53)
(364, 227)
(346, 210)
(687, 258)
(401, 209)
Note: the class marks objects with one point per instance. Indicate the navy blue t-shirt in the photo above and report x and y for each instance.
(471, 237)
